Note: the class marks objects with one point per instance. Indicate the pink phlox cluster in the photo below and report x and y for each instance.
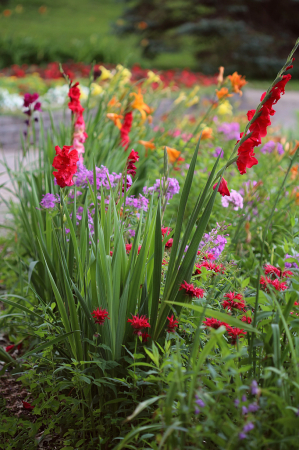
(235, 199)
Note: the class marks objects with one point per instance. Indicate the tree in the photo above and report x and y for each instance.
(250, 36)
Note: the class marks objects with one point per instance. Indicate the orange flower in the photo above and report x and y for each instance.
(142, 25)
(7, 13)
(115, 119)
(223, 93)
(294, 172)
(42, 9)
(113, 102)
(139, 104)
(207, 133)
(173, 154)
(147, 145)
(237, 81)
(292, 152)
(179, 161)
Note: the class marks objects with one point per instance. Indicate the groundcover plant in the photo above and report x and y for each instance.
(157, 291)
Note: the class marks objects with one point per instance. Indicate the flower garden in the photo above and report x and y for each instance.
(149, 274)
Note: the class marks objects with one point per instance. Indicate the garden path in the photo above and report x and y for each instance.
(286, 117)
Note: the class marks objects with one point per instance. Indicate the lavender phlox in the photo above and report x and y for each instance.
(235, 199)
(230, 130)
(236, 402)
(254, 387)
(199, 402)
(242, 436)
(270, 146)
(48, 201)
(196, 410)
(131, 232)
(72, 194)
(244, 410)
(218, 151)
(213, 242)
(173, 188)
(288, 265)
(244, 398)
(248, 427)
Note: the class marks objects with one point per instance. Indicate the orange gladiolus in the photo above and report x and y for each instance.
(139, 104)
(207, 133)
(115, 119)
(294, 172)
(223, 93)
(147, 145)
(173, 154)
(237, 81)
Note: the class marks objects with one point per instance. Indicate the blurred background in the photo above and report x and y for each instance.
(250, 36)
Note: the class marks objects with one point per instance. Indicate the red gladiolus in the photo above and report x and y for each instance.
(138, 323)
(235, 333)
(100, 315)
(172, 324)
(65, 162)
(258, 129)
(169, 243)
(231, 303)
(74, 94)
(223, 189)
(129, 248)
(125, 130)
(27, 405)
(132, 158)
(246, 319)
(191, 290)
(165, 230)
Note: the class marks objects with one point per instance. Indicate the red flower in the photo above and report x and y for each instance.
(223, 189)
(9, 347)
(214, 323)
(278, 285)
(27, 405)
(125, 130)
(132, 158)
(258, 129)
(138, 323)
(165, 230)
(209, 266)
(246, 319)
(169, 243)
(231, 303)
(65, 162)
(191, 290)
(296, 304)
(129, 248)
(74, 94)
(172, 325)
(100, 315)
(272, 270)
(235, 333)
(145, 336)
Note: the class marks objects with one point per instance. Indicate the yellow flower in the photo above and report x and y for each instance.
(237, 82)
(153, 77)
(225, 108)
(173, 154)
(115, 119)
(180, 98)
(139, 104)
(96, 89)
(105, 75)
(193, 101)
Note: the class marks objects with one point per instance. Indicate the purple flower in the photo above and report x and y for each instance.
(199, 402)
(235, 198)
(218, 151)
(48, 201)
(254, 387)
(173, 188)
(29, 99)
(248, 427)
(288, 265)
(196, 410)
(230, 130)
(236, 402)
(132, 233)
(270, 146)
(253, 407)
(213, 242)
(244, 410)
(244, 398)
(242, 436)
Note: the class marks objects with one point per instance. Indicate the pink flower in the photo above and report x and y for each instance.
(231, 303)
(172, 324)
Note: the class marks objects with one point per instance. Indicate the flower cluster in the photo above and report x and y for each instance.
(100, 315)
(213, 267)
(48, 201)
(234, 198)
(79, 135)
(65, 162)
(31, 104)
(191, 290)
(132, 158)
(172, 324)
(233, 333)
(138, 324)
(288, 265)
(258, 129)
(172, 188)
(278, 285)
(272, 270)
(233, 300)
(270, 146)
(230, 130)
(213, 242)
